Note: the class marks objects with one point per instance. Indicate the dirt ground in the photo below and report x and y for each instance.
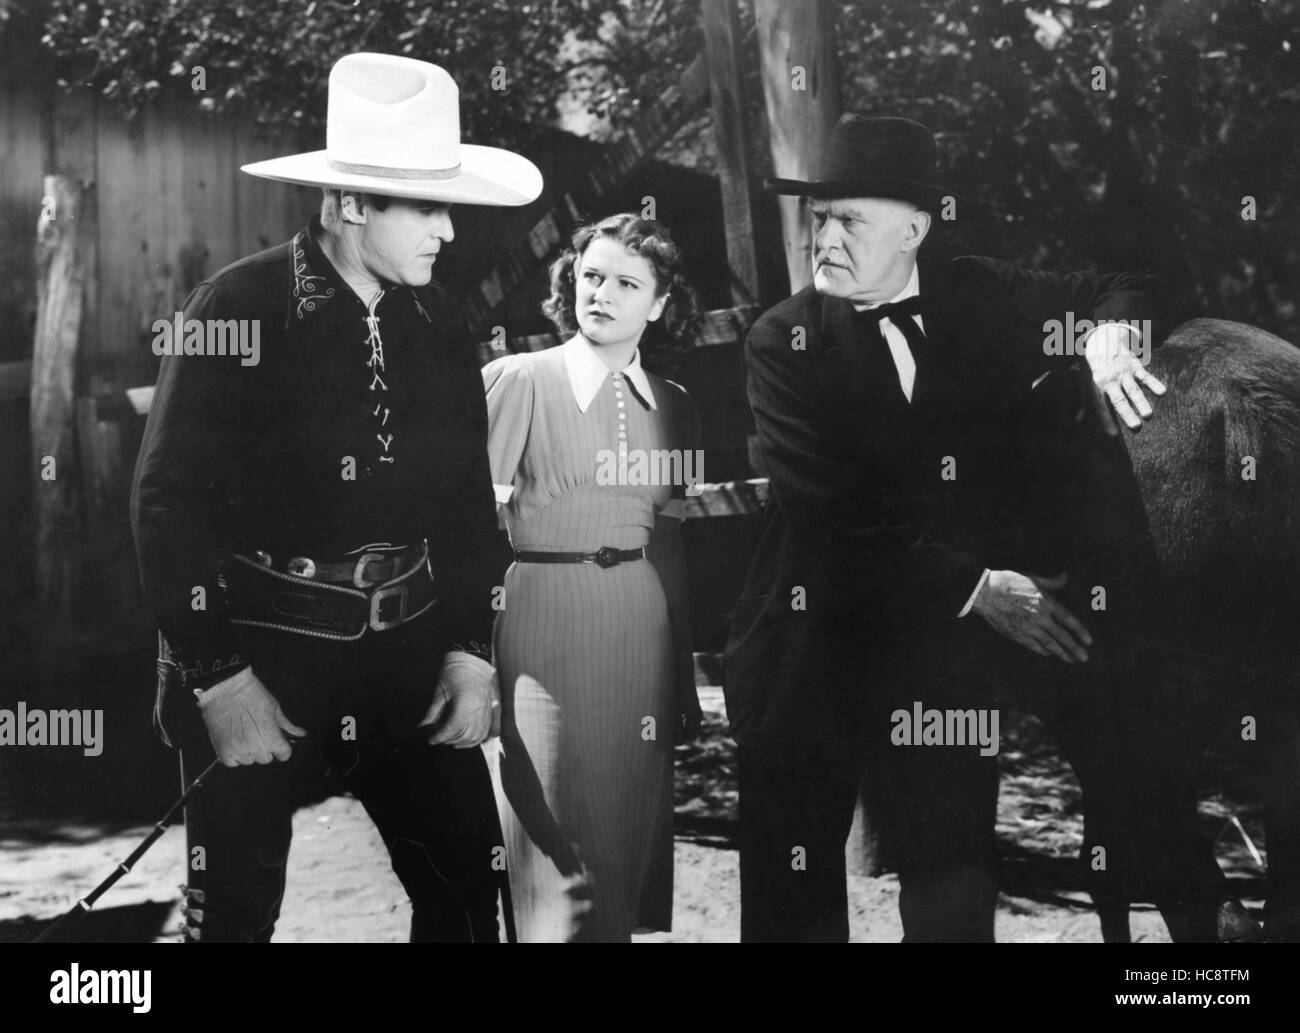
(340, 888)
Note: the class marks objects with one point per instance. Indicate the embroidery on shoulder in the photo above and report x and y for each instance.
(306, 286)
(416, 298)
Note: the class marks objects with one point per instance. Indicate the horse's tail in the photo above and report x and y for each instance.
(1261, 409)
(1234, 406)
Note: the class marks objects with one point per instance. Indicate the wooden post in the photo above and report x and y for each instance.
(721, 30)
(62, 237)
(796, 45)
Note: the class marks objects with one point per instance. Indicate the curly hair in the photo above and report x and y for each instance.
(670, 338)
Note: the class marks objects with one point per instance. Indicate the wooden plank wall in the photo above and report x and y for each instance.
(172, 207)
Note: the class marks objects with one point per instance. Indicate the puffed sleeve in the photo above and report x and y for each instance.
(508, 382)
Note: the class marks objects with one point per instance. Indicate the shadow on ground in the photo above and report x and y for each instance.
(133, 923)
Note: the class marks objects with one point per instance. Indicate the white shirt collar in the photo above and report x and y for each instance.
(910, 289)
(587, 373)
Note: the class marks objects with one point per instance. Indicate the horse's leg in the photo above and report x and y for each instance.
(1280, 767)
(1113, 913)
(1086, 741)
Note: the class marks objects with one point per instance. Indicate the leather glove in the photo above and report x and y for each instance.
(245, 722)
(466, 702)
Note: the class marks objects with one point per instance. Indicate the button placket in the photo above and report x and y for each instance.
(622, 414)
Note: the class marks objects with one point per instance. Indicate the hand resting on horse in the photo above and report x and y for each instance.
(1019, 607)
(1119, 376)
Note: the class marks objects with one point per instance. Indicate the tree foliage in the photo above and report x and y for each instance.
(1151, 165)
(1128, 134)
(269, 58)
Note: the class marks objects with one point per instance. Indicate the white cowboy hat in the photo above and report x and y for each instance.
(393, 128)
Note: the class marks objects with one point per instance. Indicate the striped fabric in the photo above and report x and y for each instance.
(584, 656)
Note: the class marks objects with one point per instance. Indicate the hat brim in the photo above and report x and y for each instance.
(487, 176)
(889, 187)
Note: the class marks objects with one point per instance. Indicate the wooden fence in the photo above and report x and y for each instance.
(164, 205)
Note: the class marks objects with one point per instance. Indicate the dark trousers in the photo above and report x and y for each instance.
(433, 805)
(937, 805)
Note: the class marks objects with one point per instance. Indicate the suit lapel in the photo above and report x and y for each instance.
(966, 357)
(942, 377)
(857, 368)
(843, 392)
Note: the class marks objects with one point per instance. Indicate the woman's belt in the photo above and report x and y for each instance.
(606, 557)
(339, 602)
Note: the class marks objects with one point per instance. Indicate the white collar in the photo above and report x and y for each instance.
(910, 289)
(587, 373)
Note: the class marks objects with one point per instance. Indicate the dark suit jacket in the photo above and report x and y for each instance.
(883, 514)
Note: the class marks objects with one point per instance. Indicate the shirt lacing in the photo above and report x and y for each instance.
(376, 364)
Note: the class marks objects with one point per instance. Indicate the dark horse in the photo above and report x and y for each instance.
(1192, 528)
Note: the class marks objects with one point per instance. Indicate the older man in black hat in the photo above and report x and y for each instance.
(317, 530)
(913, 550)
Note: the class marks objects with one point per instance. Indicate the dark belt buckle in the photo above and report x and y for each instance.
(607, 557)
(388, 607)
(359, 571)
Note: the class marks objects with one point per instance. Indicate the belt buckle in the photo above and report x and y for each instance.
(607, 557)
(359, 571)
(379, 603)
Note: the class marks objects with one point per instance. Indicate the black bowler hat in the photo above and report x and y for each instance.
(873, 157)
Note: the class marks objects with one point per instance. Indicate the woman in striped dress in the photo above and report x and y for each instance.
(591, 455)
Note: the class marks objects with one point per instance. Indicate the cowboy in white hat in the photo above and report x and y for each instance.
(317, 531)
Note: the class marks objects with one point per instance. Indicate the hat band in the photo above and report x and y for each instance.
(387, 172)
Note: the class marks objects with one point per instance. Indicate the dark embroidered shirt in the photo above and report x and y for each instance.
(354, 427)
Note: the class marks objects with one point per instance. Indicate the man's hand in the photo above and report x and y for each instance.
(245, 722)
(1120, 375)
(465, 704)
(689, 716)
(1018, 606)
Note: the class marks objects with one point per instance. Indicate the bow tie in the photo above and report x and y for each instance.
(894, 311)
(900, 314)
